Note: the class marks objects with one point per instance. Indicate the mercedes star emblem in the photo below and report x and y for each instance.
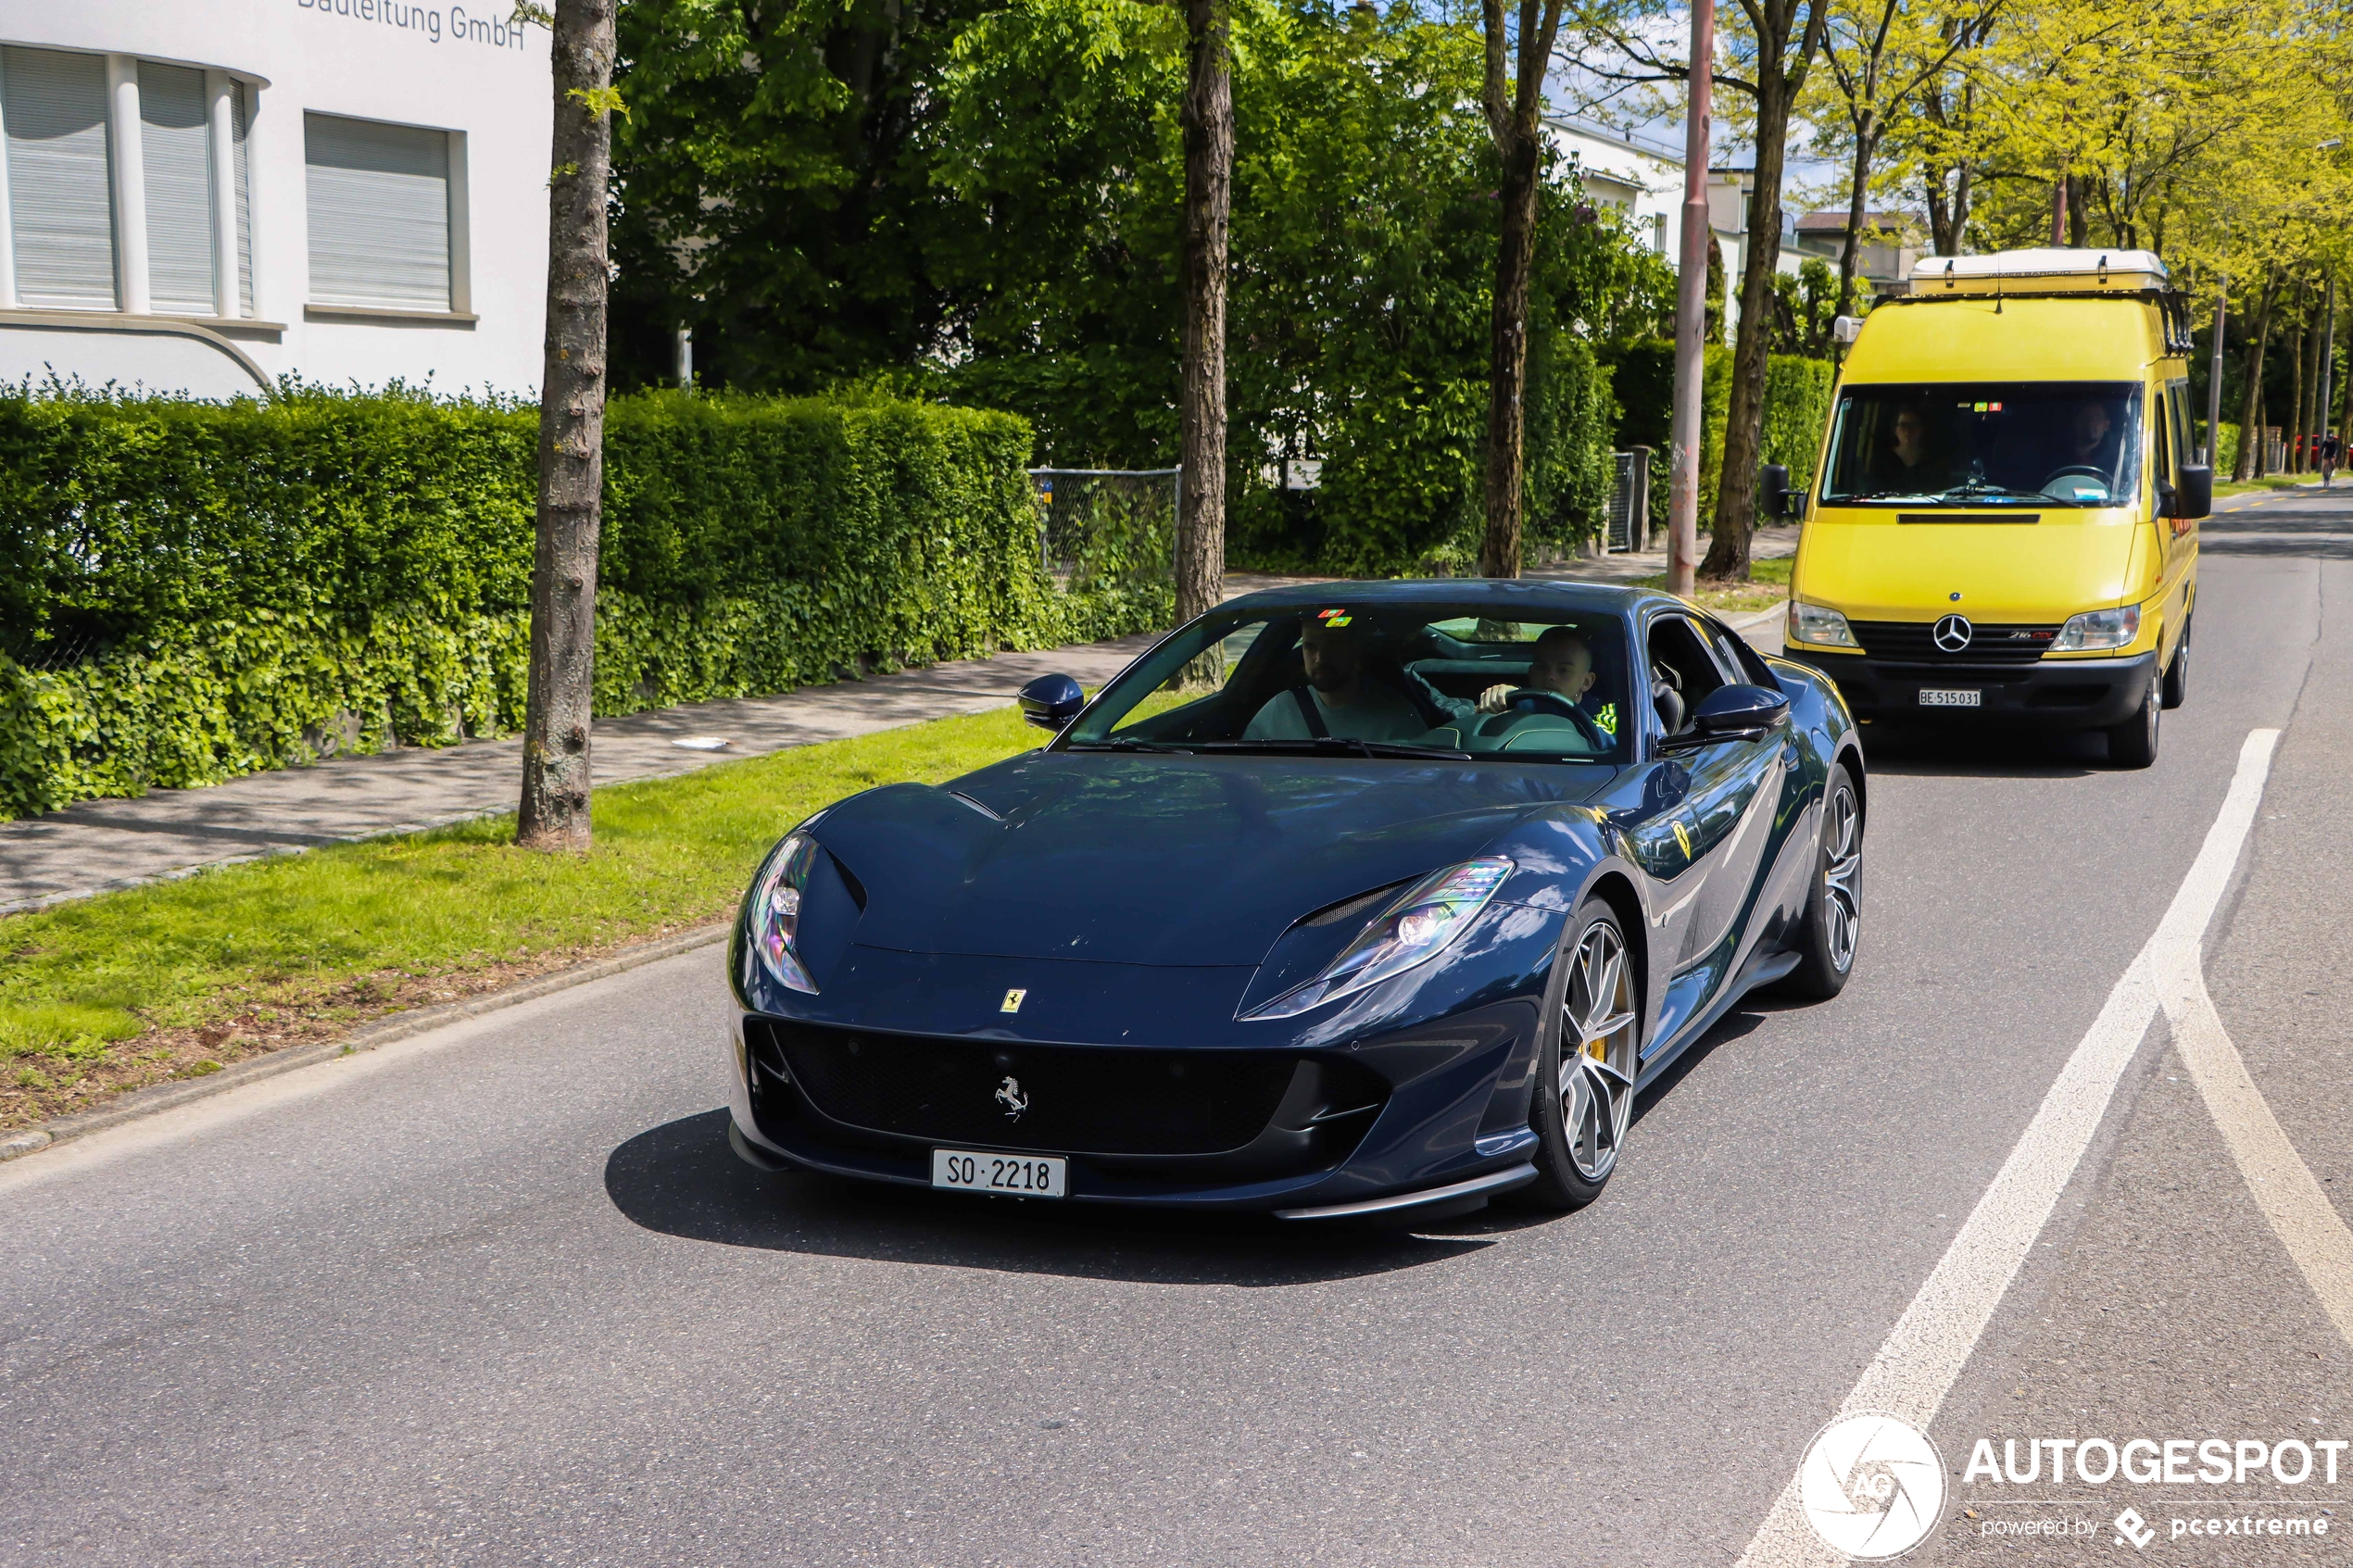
(1009, 1095)
(1952, 634)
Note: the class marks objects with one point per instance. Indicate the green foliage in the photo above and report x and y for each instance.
(1039, 270)
(195, 591)
(1797, 409)
(1804, 305)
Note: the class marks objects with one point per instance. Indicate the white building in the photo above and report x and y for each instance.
(1640, 183)
(201, 196)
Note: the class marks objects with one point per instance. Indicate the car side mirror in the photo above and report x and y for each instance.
(2194, 496)
(1051, 702)
(1773, 481)
(1730, 710)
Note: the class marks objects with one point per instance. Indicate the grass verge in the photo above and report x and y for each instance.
(1767, 585)
(2269, 481)
(180, 978)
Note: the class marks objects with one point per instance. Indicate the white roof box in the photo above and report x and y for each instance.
(2046, 270)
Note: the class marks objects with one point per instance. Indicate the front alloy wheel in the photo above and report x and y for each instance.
(1585, 1077)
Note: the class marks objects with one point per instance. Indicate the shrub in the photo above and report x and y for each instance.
(192, 591)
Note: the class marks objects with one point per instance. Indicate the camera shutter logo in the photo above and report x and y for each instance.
(1953, 634)
(1871, 1486)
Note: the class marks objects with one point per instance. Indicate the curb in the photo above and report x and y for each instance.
(163, 1096)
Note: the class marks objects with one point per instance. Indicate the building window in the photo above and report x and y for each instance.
(378, 214)
(60, 206)
(178, 166)
(73, 186)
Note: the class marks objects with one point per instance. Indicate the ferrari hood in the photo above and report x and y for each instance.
(1163, 860)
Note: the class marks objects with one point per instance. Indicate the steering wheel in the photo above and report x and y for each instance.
(2073, 471)
(1537, 699)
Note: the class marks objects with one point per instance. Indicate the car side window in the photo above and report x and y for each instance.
(1682, 672)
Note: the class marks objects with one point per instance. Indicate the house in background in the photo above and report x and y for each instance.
(1890, 245)
(199, 198)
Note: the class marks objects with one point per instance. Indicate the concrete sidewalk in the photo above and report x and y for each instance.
(99, 845)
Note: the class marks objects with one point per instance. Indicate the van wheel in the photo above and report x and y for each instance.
(2177, 674)
(2133, 744)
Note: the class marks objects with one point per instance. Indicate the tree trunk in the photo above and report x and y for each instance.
(2244, 465)
(1779, 82)
(2294, 381)
(572, 437)
(1499, 551)
(1208, 120)
(1513, 100)
(1858, 210)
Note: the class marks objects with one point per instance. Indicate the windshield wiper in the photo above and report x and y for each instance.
(1125, 743)
(1336, 745)
(1986, 490)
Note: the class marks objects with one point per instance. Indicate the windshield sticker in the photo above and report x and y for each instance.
(1607, 718)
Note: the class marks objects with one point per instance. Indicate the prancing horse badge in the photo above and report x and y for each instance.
(1013, 1001)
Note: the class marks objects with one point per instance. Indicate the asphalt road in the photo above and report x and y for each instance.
(501, 1295)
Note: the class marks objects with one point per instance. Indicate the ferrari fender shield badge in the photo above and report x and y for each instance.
(1013, 1001)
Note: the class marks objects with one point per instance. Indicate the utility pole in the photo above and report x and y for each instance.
(1690, 315)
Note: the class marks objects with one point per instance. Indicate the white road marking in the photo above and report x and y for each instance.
(1924, 1354)
(2283, 1186)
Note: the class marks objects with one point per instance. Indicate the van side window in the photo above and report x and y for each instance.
(2164, 448)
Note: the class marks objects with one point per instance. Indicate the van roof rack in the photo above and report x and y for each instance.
(2045, 270)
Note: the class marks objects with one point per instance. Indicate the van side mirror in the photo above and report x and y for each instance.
(1773, 481)
(1051, 702)
(2194, 496)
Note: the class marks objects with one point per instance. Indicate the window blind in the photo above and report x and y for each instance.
(240, 117)
(171, 132)
(379, 213)
(60, 214)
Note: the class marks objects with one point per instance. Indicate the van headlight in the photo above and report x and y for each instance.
(1417, 927)
(1820, 625)
(772, 914)
(2099, 629)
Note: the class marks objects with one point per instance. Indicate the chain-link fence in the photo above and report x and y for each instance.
(1108, 529)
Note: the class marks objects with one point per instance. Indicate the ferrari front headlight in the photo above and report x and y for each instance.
(773, 913)
(1417, 927)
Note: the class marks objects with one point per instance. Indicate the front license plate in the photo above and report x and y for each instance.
(1931, 697)
(1022, 1176)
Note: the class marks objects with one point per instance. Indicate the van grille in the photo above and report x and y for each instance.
(1912, 640)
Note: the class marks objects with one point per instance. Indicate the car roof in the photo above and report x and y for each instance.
(1504, 594)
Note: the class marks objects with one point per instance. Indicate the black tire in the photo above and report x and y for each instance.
(1829, 931)
(2133, 744)
(2177, 674)
(1581, 1114)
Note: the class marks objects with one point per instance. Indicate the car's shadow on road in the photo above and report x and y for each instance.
(1985, 753)
(681, 1179)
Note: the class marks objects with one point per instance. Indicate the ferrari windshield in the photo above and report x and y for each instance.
(1342, 679)
(2015, 444)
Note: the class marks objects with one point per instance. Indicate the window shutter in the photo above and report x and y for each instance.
(237, 113)
(171, 130)
(58, 178)
(378, 214)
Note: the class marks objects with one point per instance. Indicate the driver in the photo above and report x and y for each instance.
(1560, 662)
(1336, 699)
(1907, 465)
(2088, 446)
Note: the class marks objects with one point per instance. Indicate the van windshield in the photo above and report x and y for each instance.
(2016, 443)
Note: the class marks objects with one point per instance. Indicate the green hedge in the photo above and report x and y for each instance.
(192, 591)
(1797, 393)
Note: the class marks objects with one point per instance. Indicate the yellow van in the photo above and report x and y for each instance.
(2004, 521)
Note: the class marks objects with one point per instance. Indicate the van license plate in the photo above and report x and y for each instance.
(1022, 1176)
(1931, 697)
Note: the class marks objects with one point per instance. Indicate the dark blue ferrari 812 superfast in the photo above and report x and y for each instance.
(1341, 899)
